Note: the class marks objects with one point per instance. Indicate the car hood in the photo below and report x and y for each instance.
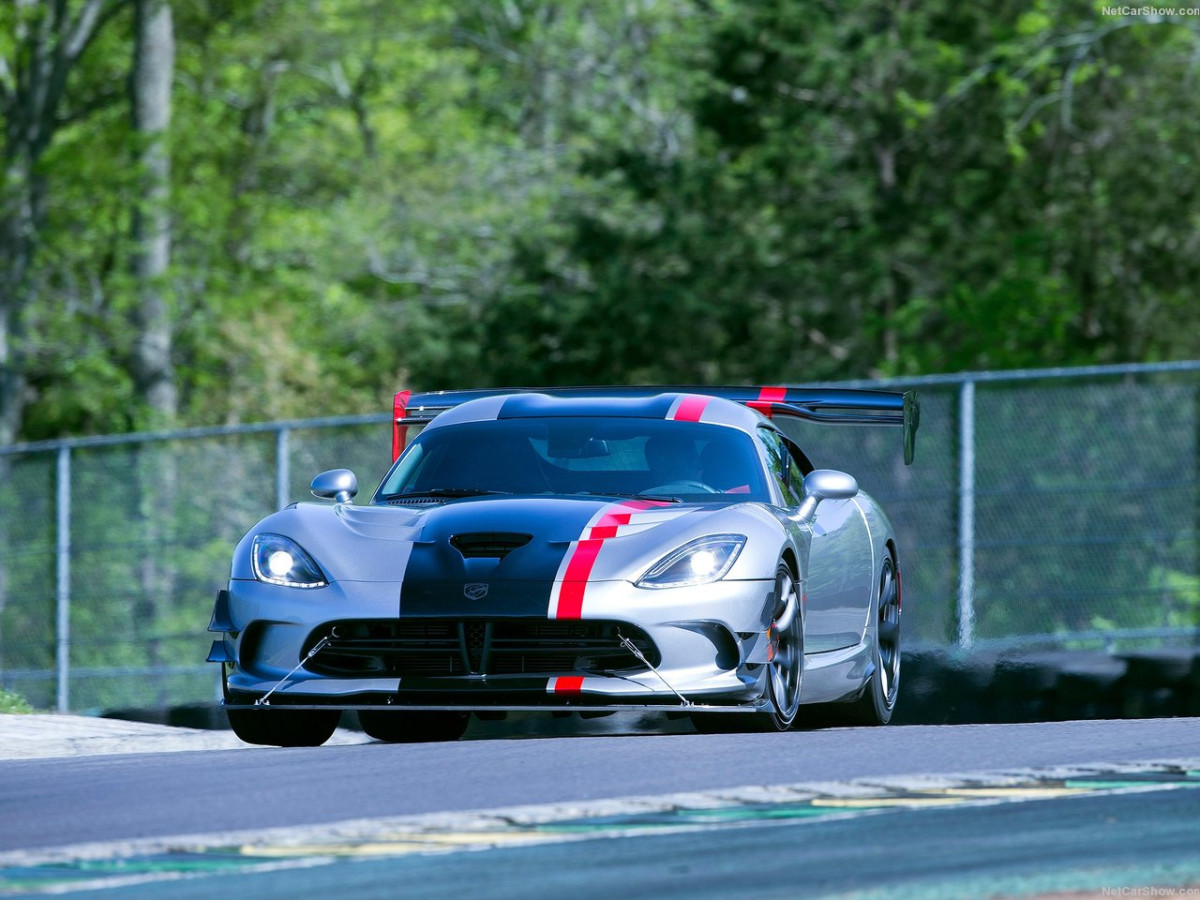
(493, 539)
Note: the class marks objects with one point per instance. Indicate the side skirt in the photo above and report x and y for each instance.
(836, 674)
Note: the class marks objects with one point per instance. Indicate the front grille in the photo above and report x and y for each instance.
(434, 648)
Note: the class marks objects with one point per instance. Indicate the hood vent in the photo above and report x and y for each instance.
(488, 544)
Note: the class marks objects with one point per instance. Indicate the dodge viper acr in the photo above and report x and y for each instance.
(574, 549)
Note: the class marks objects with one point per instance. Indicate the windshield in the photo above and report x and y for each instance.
(657, 458)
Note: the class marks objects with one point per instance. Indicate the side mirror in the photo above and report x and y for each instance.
(825, 484)
(338, 485)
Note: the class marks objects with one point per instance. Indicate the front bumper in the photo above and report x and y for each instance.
(699, 647)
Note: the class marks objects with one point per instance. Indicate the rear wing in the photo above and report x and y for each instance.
(838, 406)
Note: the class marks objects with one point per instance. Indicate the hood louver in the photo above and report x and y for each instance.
(488, 544)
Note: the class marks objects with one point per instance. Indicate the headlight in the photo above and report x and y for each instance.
(696, 562)
(280, 560)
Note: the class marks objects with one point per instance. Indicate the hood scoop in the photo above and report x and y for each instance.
(415, 501)
(488, 544)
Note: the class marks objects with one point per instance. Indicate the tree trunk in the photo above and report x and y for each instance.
(153, 70)
(21, 209)
(153, 369)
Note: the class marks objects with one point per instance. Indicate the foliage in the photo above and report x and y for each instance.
(11, 703)
(1179, 596)
(367, 195)
(888, 190)
(374, 194)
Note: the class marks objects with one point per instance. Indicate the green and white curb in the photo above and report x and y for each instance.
(116, 864)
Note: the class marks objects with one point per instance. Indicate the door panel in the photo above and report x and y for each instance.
(839, 578)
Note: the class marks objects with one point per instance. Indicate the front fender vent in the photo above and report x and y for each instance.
(488, 544)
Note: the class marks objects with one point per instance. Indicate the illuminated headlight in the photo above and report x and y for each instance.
(280, 560)
(696, 562)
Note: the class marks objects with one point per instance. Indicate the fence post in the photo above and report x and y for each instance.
(283, 473)
(62, 580)
(966, 514)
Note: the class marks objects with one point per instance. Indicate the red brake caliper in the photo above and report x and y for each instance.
(773, 635)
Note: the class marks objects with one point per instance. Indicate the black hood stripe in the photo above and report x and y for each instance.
(440, 581)
(544, 578)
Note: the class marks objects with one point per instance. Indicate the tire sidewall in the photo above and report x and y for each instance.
(782, 723)
(883, 712)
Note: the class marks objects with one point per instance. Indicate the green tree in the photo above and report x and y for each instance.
(374, 194)
(879, 189)
(42, 44)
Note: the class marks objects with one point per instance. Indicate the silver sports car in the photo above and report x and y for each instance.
(574, 549)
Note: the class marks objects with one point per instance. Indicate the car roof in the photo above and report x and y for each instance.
(676, 406)
(744, 407)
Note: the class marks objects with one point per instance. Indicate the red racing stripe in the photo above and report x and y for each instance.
(399, 409)
(690, 409)
(767, 396)
(579, 569)
(583, 553)
(566, 684)
(607, 527)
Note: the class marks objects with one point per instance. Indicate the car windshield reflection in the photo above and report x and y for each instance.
(649, 459)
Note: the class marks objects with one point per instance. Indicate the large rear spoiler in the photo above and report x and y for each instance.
(839, 406)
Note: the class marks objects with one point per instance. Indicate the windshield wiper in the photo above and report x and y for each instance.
(628, 496)
(444, 492)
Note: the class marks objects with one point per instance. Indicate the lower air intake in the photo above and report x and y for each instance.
(435, 648)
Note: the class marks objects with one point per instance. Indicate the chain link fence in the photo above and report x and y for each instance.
(1044, 508)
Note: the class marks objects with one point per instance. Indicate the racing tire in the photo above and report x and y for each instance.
(398, 727)
(878, 700)
(785, 668)
(284, 727)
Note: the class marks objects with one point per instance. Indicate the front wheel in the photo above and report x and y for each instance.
(284, 727)
(398, 727)
(785, 667)
(785, 652)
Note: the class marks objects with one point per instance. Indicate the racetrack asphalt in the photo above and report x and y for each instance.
(1061, 832)
(48, 735)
